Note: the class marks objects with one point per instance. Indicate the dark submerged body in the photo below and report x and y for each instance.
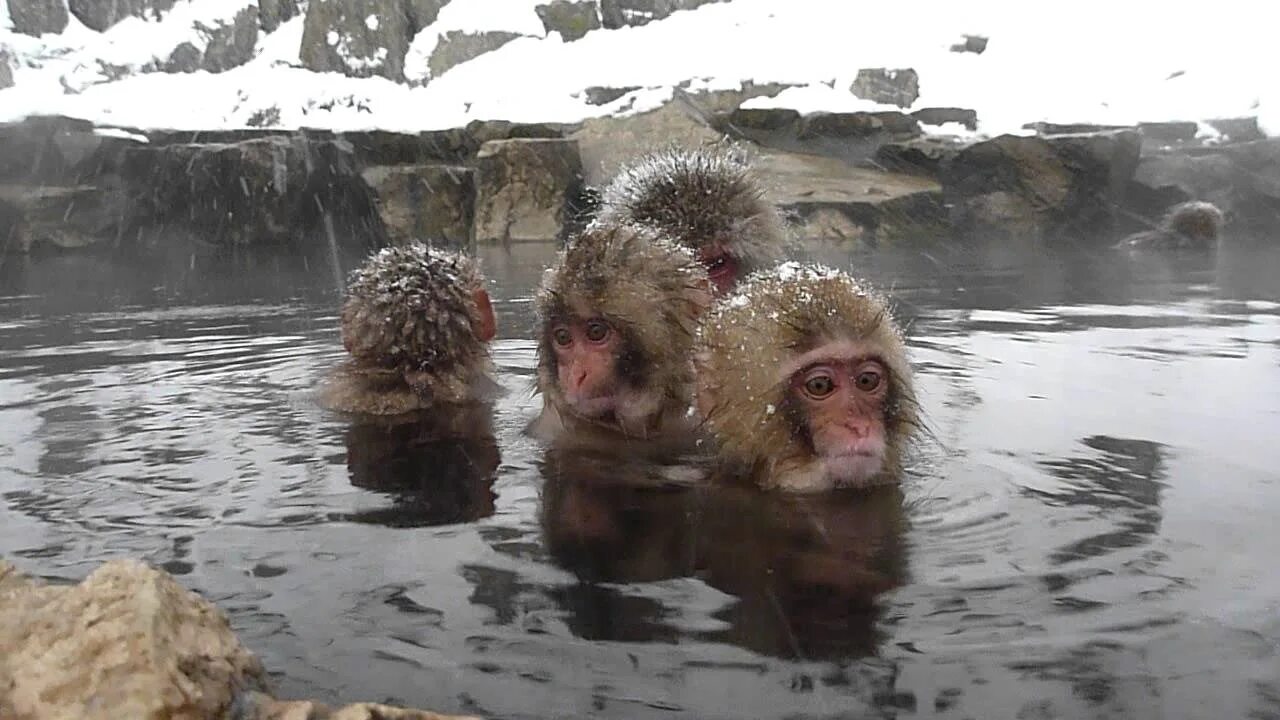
(1094, 538)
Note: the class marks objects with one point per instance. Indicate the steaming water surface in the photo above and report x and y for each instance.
(1093, 533)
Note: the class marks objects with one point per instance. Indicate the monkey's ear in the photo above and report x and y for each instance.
(487, 326)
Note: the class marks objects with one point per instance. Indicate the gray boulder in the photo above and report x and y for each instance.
(1034, 187)
(186, 58)
(458, 46)
(573, 19)
(970, 43)
(6, 69)
(274, 13)
(357, 39)
(59, 151)
(102, 14)
(917, 156)
(1243, 129)
(942, 115)
(433, 203)
(37, 17)
(887, 86)
(273, 190)
(622, 13)
(231, 44)
(525, 187)
(598, 95)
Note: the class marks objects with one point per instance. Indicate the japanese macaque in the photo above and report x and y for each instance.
(803, 382)
(707, 199)
(617, 315)
(416, 322)
(1190, 225)
(432, 468)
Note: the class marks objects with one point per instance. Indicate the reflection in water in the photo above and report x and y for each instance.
(165, 413)
(805, 570)
(436, 466)
(1123, 478)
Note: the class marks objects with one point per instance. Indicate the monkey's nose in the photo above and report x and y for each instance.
(578, 378)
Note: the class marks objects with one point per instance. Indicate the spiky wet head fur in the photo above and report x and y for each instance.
(1196, 220)
(410, 312)
(648, 288)
(701, 197)
(773, 317)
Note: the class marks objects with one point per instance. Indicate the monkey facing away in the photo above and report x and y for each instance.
(803, 381)
(1192, 225)
(416, 322)
(707, 199)
(616, 319)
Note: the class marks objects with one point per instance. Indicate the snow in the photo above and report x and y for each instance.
(1100, 62)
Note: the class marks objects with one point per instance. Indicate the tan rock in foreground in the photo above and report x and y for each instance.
(130, 642)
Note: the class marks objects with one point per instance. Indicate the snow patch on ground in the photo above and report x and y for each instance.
(1094, 61)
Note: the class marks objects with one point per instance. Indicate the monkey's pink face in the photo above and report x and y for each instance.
(586, 358)
(842, 401)
(722, 267)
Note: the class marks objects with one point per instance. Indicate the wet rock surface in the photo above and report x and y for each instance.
(524, 187)
(37, 17)
(130, 642)
(435, 203)
(1038, 186)
(829, 198)
(65, 184)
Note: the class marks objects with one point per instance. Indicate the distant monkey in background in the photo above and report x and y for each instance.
(1190, 225)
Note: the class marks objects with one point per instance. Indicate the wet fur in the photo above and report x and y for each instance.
(651, 291)
(700, 197)
(744, 350)
(407, 323)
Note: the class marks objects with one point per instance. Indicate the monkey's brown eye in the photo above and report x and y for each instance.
(597, 331)
(562, 336)
(819, 386)
(867, 380)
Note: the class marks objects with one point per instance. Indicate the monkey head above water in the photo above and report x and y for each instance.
(616, 316)
(1192, 225)
(707, 199)
(803, 381)
(416, 322)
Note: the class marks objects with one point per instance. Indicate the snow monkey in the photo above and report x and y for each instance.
(803, 381)
(1189, 225)
(709, 200)
(616, 315)
(416, 322)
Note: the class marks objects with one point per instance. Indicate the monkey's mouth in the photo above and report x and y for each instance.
(594, 407)
(852, 467)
